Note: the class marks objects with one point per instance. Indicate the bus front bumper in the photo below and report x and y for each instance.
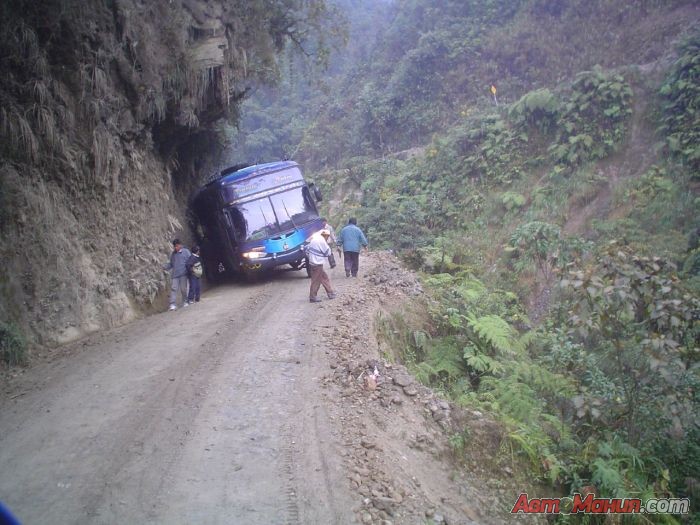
(270, 261)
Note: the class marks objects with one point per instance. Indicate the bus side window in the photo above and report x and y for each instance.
(307, 198)
(239, 228)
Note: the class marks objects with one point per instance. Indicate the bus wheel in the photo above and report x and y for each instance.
(212, 274)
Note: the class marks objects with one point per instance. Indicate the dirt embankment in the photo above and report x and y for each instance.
(105, 128)
(250, 407)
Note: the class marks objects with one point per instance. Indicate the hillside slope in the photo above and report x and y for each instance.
(556, 225)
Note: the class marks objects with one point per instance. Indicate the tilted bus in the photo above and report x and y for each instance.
(256, 218)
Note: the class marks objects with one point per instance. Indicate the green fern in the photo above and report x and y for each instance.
(420, 338)
(543, 380)
(470, 289)
(527, 446)
(497, 332)
(480, 362)
(514, 398)
(445, 359)
(424, 373)
(528, 338)
(607, 476)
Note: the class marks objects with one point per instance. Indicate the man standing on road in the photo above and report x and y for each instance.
(318, 251)
(351, 240)
(178, 273)
(332, 241)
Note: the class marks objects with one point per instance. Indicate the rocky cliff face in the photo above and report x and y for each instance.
(107, 112)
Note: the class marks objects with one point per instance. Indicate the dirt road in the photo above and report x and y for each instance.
(251, 407)
(209, 414)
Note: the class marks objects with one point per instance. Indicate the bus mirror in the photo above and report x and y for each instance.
(317, 192)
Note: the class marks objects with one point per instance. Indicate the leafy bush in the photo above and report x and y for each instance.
(512, 200)
(538, 243)
(632, 313)
(537, 108)
(492, 151)
(593, 118)
(13, 348)
(604, 402)
(681, 93)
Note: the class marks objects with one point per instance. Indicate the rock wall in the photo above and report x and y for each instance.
(106, 125)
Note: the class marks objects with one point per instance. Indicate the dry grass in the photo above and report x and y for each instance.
(188, 118)
(39, 91)
(17, 131)
(93, 81)
(101, 151)
(60, 92)
(40, 66)
(45, 124)
(28, 43)
(93, 109)
(65, 117)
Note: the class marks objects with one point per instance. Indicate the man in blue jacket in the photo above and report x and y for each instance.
(351, 240)
(178, 273)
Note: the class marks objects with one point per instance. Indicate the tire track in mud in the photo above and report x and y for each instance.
(101, 437)
(207, 415)
(289, 469)
(163, 426)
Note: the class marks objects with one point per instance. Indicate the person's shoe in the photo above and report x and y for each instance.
(314, 300)
(186, 304)
(331, 295)
(347, 274)
(172, 307)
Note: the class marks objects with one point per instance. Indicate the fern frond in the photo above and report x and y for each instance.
(424, 373)
(543, 380)
(526, 446)
(470, 289)
(480, 362)
(528, 338)
(445, 357)
(497, 331)
(420, 338)
(605, 474)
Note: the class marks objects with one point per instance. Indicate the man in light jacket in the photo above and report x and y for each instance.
(318, 251)
(178, 273)
(351, 239)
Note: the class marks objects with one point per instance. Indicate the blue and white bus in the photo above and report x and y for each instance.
(256, 218)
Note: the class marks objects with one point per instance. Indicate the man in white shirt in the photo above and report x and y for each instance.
(318, 251)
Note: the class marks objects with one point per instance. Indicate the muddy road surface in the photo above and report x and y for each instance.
(208, 414)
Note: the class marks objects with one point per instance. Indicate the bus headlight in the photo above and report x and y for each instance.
(254, 255)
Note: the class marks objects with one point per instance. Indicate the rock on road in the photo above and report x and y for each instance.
(209, 414)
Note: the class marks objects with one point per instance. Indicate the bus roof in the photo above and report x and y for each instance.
(254, 171)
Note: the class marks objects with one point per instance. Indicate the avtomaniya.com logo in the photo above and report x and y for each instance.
(589, 504)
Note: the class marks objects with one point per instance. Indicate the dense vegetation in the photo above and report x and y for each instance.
(556, 224)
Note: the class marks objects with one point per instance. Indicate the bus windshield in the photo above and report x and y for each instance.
(269, 216)
(293, 207)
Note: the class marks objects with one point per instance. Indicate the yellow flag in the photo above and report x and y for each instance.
(493, 89)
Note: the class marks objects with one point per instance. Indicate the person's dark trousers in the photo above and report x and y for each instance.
(195, 289)
(352, 263)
